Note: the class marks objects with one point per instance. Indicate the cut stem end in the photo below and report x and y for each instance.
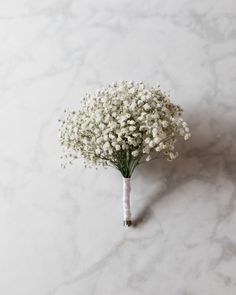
(127, 223)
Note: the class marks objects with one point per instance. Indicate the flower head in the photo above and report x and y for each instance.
(120, 123)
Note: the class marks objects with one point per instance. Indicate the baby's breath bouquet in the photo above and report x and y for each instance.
(121, 126)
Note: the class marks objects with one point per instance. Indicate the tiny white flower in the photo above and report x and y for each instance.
(101, 126)
(133, 106)
(151, 144)
(146, 107)
(147, 140)
(141, 87)
(132, 128)
(98, 151)
(187, 136)
(106, 146)
(105, 137)
(164, 123)
(132, 90)
(148, 158)
(171, 155)
(135, 153)
(159, 147)
(146, 150)
(154, 132)
(131, 122)
(143, 98)
(117, 147)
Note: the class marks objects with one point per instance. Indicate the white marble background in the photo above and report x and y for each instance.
(61, 230)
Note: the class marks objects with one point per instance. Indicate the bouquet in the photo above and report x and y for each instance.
(122, 126)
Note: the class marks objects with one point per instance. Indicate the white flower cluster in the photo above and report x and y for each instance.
(121, 124)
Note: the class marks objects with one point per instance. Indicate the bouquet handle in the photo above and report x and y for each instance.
(126, 202)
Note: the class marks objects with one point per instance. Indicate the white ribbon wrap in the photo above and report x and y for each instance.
(126, 199)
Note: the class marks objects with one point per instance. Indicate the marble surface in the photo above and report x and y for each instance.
(61, 230)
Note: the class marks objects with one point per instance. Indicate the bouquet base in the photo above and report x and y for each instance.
(127, 223)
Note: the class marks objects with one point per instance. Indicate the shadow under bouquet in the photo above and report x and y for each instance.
(123, 125)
